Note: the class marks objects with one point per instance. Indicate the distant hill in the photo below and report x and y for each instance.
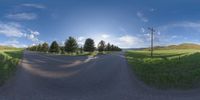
(180, 46)
(6, 47)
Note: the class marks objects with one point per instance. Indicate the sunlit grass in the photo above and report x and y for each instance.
(8, 61)
(167, 68)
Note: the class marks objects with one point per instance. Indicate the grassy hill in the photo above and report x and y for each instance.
(7, 48)
(180, 46)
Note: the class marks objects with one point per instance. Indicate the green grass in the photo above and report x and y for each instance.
(85, 53)
(8, 61)
(178, 69)
(79, 54)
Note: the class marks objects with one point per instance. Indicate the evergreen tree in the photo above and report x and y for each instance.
(108, 47)
(45, 47)
(112, 47)
(81, 50)
(89, 45)
(71, 45)
(54, 48)
(62, 49)
(101, 46)
(39, 47)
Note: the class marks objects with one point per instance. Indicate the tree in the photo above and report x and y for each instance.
(112, 47)
(39, 48)
(45, 47)
(101, 46)
(108, 47)
(81, 49)
(71, 45)
(89, 45)
(54, 48)
(62, 49)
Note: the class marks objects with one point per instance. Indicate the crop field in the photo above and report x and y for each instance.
(8, 62)
(167, 68)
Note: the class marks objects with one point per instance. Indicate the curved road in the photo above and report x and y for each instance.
(105, 77)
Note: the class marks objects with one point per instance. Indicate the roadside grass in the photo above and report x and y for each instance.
(8, 62)
(82, 54)
(95, 53)
(167, 69)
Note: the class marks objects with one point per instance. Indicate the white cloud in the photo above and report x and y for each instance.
(22, 16)
(123, 41)
(34, 32)
(13, 43)
(15, 30)
(11, 29)
(105, 36)
(81, 40)
(142, 17)
(32, 35)
(128, 40)
(34, 5)
(185, 24)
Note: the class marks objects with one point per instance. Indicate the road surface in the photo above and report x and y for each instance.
(105, 77)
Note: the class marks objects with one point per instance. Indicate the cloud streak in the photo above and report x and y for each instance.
(15, 30)
(22, 16)
(11, 29)
(39, 6)
(13, 43)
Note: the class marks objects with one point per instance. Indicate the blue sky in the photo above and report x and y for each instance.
(121, 22)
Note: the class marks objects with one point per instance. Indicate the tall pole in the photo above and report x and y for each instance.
(152, 31)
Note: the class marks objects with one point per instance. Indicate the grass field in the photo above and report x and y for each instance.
(178, 69)
(8, 61)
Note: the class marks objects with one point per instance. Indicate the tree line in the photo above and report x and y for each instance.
(71, 46)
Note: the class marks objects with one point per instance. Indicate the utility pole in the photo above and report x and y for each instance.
(152, 37)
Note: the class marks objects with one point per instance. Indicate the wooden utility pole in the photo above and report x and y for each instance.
(152, 37)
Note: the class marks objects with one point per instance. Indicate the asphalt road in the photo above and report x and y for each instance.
(105, 77)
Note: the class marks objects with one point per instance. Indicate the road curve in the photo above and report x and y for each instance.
(105, 77)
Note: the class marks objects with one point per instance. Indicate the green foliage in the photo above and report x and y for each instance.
(101, 46)
(168, 68)
(45, 47)
(33, 48)
(108, 47)
(8, 61)
(89, 45)
(62, 49)
(81, 49)
(112, 48)
(39, 48)
(54, 48)
(71, 45)
(9, 48)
